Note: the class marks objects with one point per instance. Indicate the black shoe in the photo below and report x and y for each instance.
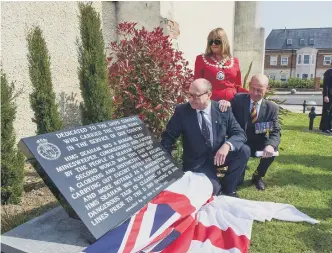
(258, 182)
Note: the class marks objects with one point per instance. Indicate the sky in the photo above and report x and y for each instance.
(294, 14)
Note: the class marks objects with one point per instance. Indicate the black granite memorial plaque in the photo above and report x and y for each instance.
(105, 172)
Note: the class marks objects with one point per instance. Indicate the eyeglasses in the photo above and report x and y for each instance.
(216, 42)
(196, 96)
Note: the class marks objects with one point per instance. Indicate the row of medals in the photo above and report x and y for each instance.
(219, 65)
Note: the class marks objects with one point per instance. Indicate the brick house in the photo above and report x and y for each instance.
(303, 53)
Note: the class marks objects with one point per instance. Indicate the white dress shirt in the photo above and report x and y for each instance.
(258, 106)
(208, 120)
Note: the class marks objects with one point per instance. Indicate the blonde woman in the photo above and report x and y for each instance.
(219, 67)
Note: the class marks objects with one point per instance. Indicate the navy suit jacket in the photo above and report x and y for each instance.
(195, 152)
(268, 111)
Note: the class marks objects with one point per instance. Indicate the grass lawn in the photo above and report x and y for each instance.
(301, 176)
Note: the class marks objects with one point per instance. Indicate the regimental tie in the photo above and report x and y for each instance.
(205, 131)
(253, 113)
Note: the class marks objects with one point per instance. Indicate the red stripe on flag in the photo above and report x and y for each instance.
(180, 225)
(221, 239)
(178, 202)
(182, 243)
(209, 200)
(130, 243)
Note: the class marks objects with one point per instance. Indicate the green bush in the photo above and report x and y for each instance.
(97, 105)
(293, 83)
(12, 161)
(42, 99)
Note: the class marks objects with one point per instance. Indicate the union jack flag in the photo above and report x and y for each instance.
(185, 218)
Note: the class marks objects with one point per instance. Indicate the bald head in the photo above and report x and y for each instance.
(201, 85)
(258, 87)
(200, 92)
(261, 79)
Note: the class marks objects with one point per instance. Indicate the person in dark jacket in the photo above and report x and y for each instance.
(258, 117)
(204, 130)
(325, 123)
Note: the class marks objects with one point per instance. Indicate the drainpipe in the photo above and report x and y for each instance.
(291, 67)
(316, 64)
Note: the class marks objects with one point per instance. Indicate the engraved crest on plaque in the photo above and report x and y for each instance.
(48, 150)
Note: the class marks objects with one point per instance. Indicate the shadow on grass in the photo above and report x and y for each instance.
(10, 221)
(321, 214)
(318, 237)
(306, 130)
(296, 178)
(321, 161)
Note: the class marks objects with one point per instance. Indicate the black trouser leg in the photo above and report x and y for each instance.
(236, 162)
(264, 164)
(325, 122)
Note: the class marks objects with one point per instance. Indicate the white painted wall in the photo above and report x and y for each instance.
(249, 42)
(196, 20)
(145, 13)
(60, 25)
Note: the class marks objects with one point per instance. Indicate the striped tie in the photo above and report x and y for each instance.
(253, 113)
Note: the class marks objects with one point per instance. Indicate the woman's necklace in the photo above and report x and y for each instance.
(219, 65)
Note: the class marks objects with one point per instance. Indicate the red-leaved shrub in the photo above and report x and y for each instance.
(147, 76)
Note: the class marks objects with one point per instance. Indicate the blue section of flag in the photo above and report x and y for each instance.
(163, 213)
(111, 241)
(166, 241)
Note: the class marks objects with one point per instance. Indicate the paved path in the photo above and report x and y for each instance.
(298, 99)
(299, 108)
(298, 93)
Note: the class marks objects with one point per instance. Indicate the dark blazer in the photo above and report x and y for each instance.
(327, 83)
(195, 152)
(268, 111)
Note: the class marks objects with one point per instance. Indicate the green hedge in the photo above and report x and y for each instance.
(294, 83)
(12, 161)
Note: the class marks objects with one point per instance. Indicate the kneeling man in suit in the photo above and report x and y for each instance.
(258, 117)
(204, 129)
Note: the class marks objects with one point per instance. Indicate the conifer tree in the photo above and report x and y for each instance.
(42, 99)
(97, 100)
(12, 161)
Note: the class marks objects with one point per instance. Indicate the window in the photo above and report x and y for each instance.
(284, 60)
(283, 78)
(327, 59)
(304, 76)
(299, 59)
(289, 41)
(273, 77)
(273, 60)
(311, 41)
(298, 75)
(306, 59)
(301, 41)
(312, 76)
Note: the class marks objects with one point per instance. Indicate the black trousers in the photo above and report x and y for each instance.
(325, 122)
(264, 163)
(236, 162)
